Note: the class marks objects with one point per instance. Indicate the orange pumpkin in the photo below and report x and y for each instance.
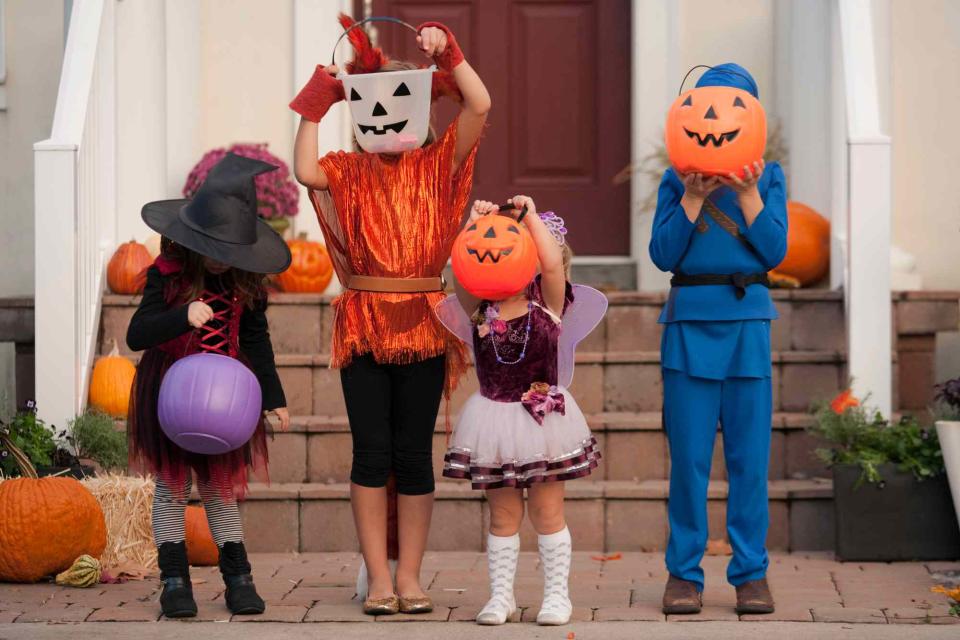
(45, 524)
(494, 257)
(715, 131)
(808, 246)
(202, 551)
(127, 269)
(111, 383)
(310, 269)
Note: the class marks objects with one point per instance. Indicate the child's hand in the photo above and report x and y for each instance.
(481, 208)
(432, 41)
(198, 314)
(332, 69)
(696, 186)
(749, 180)
(283, 415)
(519, 202)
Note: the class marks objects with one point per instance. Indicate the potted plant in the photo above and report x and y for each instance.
(947, 413)
(31, 436)
(97, 441)
(891, 499)
(277, 193)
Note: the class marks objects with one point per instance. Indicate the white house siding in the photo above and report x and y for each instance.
(33, 41)
(926, 141)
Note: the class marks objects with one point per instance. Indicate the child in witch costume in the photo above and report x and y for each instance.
(205, 294)
(719, 236)
(389, 219)
(523, 429)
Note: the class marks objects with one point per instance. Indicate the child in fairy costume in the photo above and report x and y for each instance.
(389, 218)
(205, 294)
(523, 428)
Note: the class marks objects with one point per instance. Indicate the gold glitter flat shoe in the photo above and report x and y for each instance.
(417, 604)
(381, 606)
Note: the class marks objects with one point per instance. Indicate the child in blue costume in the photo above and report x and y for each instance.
(715, 356)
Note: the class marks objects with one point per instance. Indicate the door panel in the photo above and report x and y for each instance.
(559, 75)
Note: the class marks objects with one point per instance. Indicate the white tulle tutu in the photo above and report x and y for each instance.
(499, 444)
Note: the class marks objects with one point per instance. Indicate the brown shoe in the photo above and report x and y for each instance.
(754, 597)
(681, 597)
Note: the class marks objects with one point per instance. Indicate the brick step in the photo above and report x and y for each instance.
(810, 320)
(604, 381)
(609, 515)
(318, 449)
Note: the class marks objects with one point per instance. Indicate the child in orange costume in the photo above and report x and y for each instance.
(389, 221)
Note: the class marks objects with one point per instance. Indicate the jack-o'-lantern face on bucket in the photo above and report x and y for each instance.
(390, 109)
(715, 131)
(494, 257)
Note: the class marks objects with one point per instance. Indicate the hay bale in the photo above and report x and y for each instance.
(126, 502)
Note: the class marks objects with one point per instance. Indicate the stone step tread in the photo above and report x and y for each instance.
(608, 421)
(814, 488)
(586, 357)
(615, 297)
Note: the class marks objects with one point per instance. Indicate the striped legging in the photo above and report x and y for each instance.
(169, 506)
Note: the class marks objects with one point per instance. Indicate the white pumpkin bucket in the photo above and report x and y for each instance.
(390, 109)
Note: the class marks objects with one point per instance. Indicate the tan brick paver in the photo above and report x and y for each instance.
(319, 587)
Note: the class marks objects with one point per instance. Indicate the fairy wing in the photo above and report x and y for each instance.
(581, 317)
(455, 319)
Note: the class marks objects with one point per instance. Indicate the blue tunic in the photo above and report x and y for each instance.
(709, 332)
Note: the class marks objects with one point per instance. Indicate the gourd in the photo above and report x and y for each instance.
(127, 269)
(111, 383)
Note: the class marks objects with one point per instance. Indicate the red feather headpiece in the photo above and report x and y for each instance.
(370, 59)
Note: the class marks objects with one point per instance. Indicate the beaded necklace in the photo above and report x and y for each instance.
(526, 340)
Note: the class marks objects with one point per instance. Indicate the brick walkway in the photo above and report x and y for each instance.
(319, 587)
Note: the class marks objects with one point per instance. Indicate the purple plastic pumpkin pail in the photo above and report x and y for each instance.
(209, 403)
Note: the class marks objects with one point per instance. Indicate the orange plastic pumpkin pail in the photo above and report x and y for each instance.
(494, 258)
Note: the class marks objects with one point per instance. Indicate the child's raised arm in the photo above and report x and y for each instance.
(312, 103)
(553, 282)
(437, 42)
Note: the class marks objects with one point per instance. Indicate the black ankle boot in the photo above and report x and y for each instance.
(176, 599)
(241, 595)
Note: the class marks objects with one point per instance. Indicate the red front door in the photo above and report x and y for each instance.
(559, 75)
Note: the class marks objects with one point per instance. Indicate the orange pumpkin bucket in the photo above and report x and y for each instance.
(494, 258)
(715, 130)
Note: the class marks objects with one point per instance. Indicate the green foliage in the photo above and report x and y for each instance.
(94, 436)
(857, 436)
(31, 436)
(947, 401)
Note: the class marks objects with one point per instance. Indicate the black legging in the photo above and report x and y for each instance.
(392, 410)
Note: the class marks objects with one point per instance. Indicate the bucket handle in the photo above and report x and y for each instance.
(333, 58)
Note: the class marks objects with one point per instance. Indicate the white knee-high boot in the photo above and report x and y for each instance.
(556, 552)
(502, 556)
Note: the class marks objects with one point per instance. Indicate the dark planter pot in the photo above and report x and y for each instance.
(904, 520)
(77, 471)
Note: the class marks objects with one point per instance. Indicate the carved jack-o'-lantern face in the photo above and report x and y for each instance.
(494, 257)
(390, 109)
(715, 131)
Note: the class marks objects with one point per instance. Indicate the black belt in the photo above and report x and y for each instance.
(739, 280)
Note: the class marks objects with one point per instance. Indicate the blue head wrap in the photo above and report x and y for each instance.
(729, 74)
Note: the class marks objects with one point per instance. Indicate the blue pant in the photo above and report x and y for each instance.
(692, 407)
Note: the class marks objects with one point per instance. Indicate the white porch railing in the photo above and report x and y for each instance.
(868, 209)
(75, 203)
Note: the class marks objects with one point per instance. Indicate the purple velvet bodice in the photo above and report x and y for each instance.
(508, 382)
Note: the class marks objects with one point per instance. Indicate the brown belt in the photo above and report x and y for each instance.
(396, 285)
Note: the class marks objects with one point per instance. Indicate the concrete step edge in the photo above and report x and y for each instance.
(811, 489)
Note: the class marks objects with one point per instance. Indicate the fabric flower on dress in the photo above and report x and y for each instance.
(542, 399)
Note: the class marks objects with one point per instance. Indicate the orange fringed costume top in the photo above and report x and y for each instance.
(396, 217)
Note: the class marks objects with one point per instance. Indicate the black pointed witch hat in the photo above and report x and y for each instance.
(221, 221)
